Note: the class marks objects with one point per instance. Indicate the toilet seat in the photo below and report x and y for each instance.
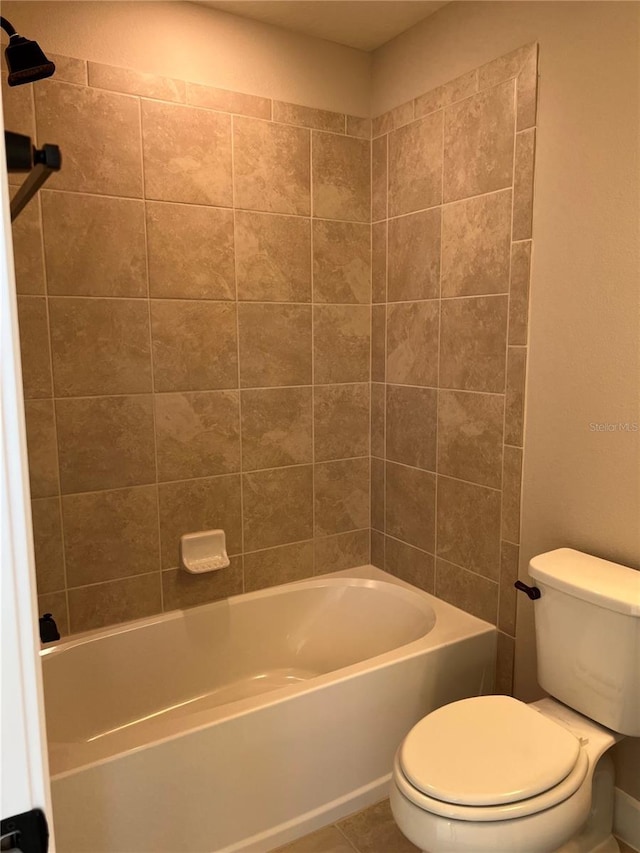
(489, 758)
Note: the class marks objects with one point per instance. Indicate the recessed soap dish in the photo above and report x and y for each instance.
(203, 552)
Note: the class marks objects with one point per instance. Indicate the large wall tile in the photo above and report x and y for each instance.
(187, 154)
(194, 345)
(514, 405)
(415, 165)
(412, 343)
(110, 535)
(469, 526)
(277, 427)
(47, 544)
(379, 171)
(505, 67)
(273, 257)
(378, 342)
(411, 426)
(448, 93)
(190, 251)
(204, 504)
(523, 185)
(410, 564)
(94, 246)
(308, 117)
(271, 167)
(410, 502)
(378, 394)
(379, 262)
(34, 346)
(181, 589)
(228, 102)
(476, 245)
(69, 69)
(396, 117)
(100, 346)
(470, 436)
(509, 556)
(343, 551)
(136, 82)
(115, 601)
(105, 442)
(511, 488)
(41, 448)
(275, 344)
(478, 143)
(277, 506)
(17, 106)
(414, 257)
(377, 494)
(27, 249)
(527, 90)
(357, 126)
(99, 135)
(341, 417)
(505, 655)
(284, 564)
(473, 334)
(519, 293)
(467, 590)
(341, 496)
(341, 262)
(341, 177)
(376, 548)
(198, 434)
(341, 343)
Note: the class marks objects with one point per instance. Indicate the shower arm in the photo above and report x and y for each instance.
(40, 163)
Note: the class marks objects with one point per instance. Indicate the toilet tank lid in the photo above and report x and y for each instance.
(592, 579)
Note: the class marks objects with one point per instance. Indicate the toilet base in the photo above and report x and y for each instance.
(596, 835)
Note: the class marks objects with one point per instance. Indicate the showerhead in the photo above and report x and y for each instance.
(26, 61)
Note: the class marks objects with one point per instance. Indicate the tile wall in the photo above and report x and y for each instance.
(194, 306)
(452, 191)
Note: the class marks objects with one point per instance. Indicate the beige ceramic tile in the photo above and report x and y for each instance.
(56, 604)
(94, 246)
(414, 256)
(205, 504)
(194, 345)
(379, 262)
(375, 831)
(505, 67)
(197, 434)
(181, 589)
(100, 346)
(379, 149)
(378, 392)
(341, 262)
(341, 496)
(341, 177)
(377, 549)
(478, 143)
(514, 414)
(341, 343)
(470, 436)
(190, 251)
(19, 116)
(523, 184)
(473, 333)
(377, 493)
(343, 551)
(34, 346)
(511, 485)
(527, 91)
(509, 555)
(378, 342)
(410, 564)
(228, 102)
(136, 83)
(469, 526)
(308, 117)
(327, 840)
(68, 69)
(467, 590)
(410, 505)
(275, 566)
(455, 90)
(275, 344)
(27, 249)
(110, 535)
(277, 427)
(99, 135)
(504, 664)
(115, 601)
(271, 167)
(47, 543)
(357, 126)
(341, 418)
(519, 293)
(412, 343)
(411, 426)
(273, 257)
(415, 165)
(277, 506)
(187, 154)
(105, 442)
(397, 117)
(41, 448)
(476, 245)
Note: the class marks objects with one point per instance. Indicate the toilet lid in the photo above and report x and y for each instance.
(488, 750)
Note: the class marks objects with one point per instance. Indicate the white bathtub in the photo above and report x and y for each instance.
(240, 725)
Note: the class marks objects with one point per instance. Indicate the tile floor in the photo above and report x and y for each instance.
(370, 831)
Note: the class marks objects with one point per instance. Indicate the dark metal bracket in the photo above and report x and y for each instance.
(27, 832)
(40, 163)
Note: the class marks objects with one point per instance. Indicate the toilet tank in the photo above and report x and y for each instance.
(588, 636)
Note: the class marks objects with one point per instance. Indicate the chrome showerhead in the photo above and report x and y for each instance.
(26, 61)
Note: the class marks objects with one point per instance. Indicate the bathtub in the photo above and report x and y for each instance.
(243, 724)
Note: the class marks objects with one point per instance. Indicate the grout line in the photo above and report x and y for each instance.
(313, 352)
(345, 836)
(440, 300)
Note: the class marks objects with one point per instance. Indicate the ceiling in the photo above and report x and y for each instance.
(364, 24)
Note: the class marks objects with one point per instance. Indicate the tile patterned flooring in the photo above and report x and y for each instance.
(370, 831)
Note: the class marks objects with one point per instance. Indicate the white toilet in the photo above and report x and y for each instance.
(493, 774)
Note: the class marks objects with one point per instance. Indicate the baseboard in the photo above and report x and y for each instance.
(626, 818)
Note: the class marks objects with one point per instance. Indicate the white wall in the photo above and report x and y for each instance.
(196, 43)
